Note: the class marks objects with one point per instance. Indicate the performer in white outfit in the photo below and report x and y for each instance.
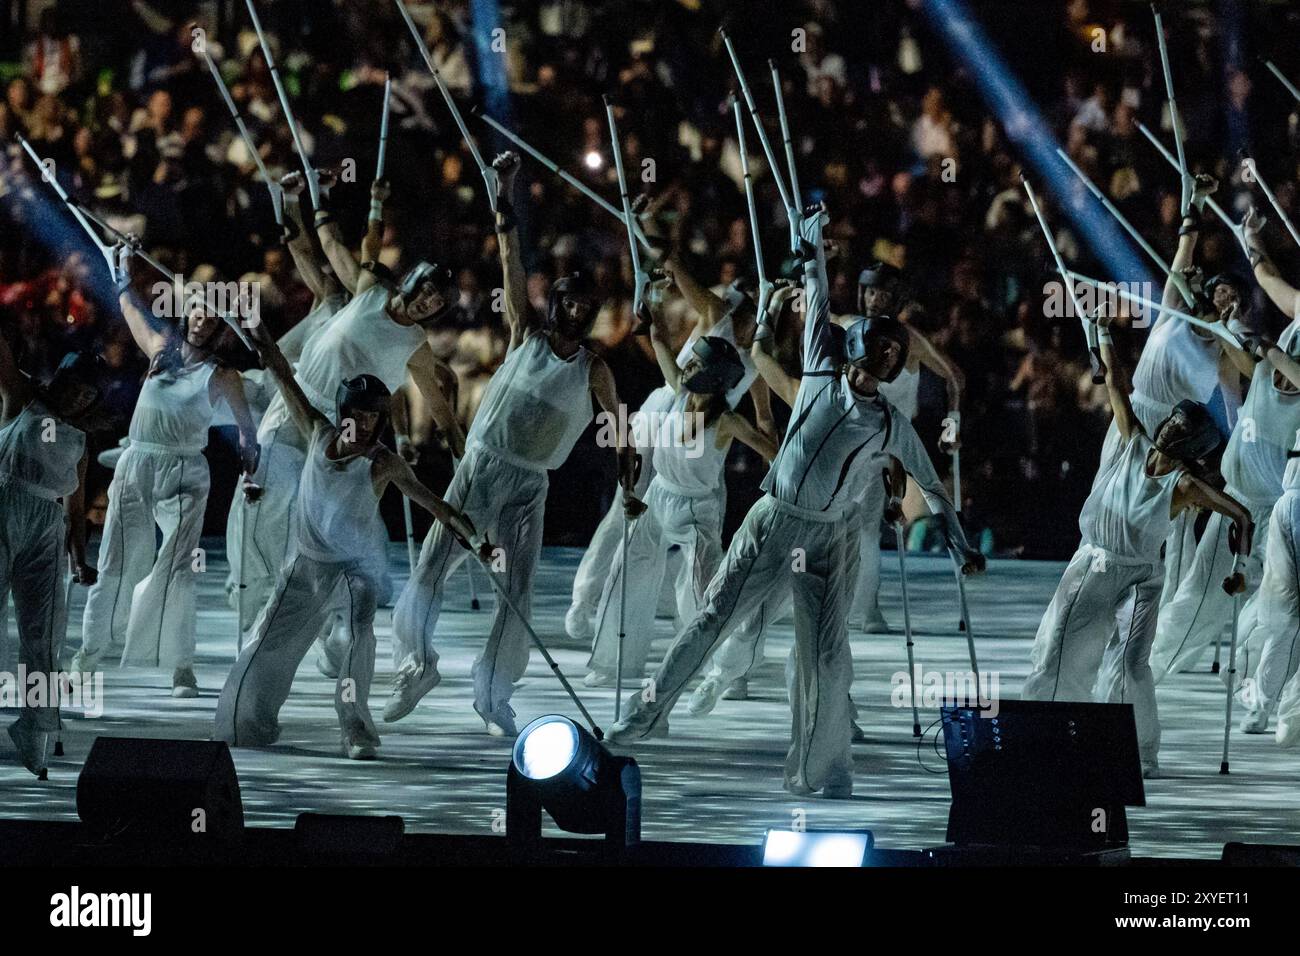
(382, 331)
(345, 474)
(534, 410)
(690, 449)
(795, 537)
(144, 596)
(1114, 578)
(43, 462)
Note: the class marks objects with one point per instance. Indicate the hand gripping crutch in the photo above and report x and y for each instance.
(568, 177)
(532, 634)
(1173, 161)
(1238, 583)
(487, 172)
(900, 534)
(277, 193)
(1252, 175)
(1179, 281)
(1089, 328)
(313, 178)
(1214, 328)
(84, 216)
(641, 279)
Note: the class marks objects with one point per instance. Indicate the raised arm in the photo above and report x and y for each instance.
(298, 240)
(602, 386)
(763, 351)
(1280, 292)
(519, 318)
(702, 301)
(1188, 235)
(304, 414)
(390, 467)
(340, 258)
(147, 335)
(1117, 387)
(940, 364)
(819, 352)
(1194, 493)
(737, 426)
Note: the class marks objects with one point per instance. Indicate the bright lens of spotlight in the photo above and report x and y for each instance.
(547, 748)
(813, 848)
(593, 160)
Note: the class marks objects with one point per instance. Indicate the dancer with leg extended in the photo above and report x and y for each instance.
(535, 409)
(794, 536)
(1114, 579)
(43, 462)
(342, 481)
(143, 600)
(689, 449)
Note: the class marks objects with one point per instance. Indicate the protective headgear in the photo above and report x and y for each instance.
(721, 368)
(1189, 433)
(442, 279)
(861, 334)
(575, 286)
(739, 298)
(77, 369)
(1230, 279)
(878, 275)
(365, 393)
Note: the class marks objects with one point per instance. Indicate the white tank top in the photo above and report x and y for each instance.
(1269, 424)
(536, 405)
(1176, 364)
(689, 468)
(46, 469)
(337, 508)
(904, 391)
(1127, 512)
(723, 330)
(360, 340)
(174, 410)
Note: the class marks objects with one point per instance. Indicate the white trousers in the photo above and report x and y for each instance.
(31, 548)
(507, 503)
(772, 551)
(1096, 595)
(1201, 610)
(305, 595)
(866, 589)
(671, 519)
(1277, 621)
(145, 594)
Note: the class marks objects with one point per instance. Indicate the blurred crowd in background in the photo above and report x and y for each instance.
(890, 131)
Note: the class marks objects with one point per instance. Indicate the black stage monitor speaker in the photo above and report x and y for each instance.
(1045, 774)
(174, 790)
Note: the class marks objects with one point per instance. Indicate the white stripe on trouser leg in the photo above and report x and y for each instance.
(31, 548)
(1081, 617)
(1131, 681)
(1278, 608)
(161, 625)
(1201, 610)
(822, 677)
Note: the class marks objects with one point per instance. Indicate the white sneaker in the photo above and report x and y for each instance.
(359, 745)
(30, 744)
(705, 697)
(598, 679)
(409, 685)
(577, 623)
(500, 720)
(1255, 722)
(876, 623)
(738, 689)
(184, 684)
(633, 728)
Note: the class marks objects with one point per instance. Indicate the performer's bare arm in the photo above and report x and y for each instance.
(763, 352)
(322, 284)
(940, 364)
(602, 386)
(1194, 493)
(229, 385)
(303, 413)
(429, 376)
(519, 318)
(148, 335)
(737, 426)
(702, 301)
(1117, 389)
(1280, 292)
(389, 467)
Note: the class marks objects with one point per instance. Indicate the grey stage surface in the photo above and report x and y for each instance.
(717, 778)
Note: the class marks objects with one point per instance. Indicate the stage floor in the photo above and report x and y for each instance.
(718, 778)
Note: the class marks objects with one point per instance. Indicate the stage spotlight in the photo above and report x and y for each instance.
(593, 160)
(560, 767)
(817, 847)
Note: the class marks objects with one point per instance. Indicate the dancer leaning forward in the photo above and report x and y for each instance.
(796, 534)
(1116, 575)
(345, 474)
